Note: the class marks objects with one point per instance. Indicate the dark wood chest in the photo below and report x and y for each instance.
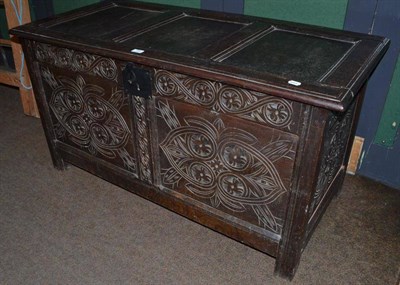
(239, 123)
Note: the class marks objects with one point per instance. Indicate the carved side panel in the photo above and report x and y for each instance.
(226, 163)
(88, 108)
(337, 132)
(250, 105)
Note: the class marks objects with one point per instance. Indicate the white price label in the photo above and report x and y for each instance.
(294, 82)
(136, 50)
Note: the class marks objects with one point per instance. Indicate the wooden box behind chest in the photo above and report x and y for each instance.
(240, 123)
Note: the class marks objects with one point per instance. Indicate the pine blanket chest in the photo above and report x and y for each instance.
(239, 123)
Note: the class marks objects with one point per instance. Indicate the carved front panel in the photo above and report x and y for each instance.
(229, 164)
(87, 105)
(250, 105)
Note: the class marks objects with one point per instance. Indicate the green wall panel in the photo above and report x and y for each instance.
(3, 24)
(390, 119)
(183, 3)
(327, 13)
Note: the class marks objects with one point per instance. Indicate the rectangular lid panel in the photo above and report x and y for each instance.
(99, 24)
(185, 36)
(291, 55)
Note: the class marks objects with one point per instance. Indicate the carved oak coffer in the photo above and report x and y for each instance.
(239, 123)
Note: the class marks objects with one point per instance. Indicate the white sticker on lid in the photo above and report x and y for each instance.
(136, 50)
(294, 82)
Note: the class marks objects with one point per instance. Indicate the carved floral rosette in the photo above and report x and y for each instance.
(225, 165)
(223, 98)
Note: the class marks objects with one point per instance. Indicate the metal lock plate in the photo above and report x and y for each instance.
(137, 81)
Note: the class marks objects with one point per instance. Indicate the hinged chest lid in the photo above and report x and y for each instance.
(314, 65)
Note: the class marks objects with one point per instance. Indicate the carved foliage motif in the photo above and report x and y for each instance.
(338, 128)
(76, 61)
(224, 165)
(87, 119)
(251, 105)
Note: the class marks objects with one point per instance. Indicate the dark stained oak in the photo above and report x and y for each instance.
(239, 123)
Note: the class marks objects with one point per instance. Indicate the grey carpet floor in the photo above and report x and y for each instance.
(73, 228)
